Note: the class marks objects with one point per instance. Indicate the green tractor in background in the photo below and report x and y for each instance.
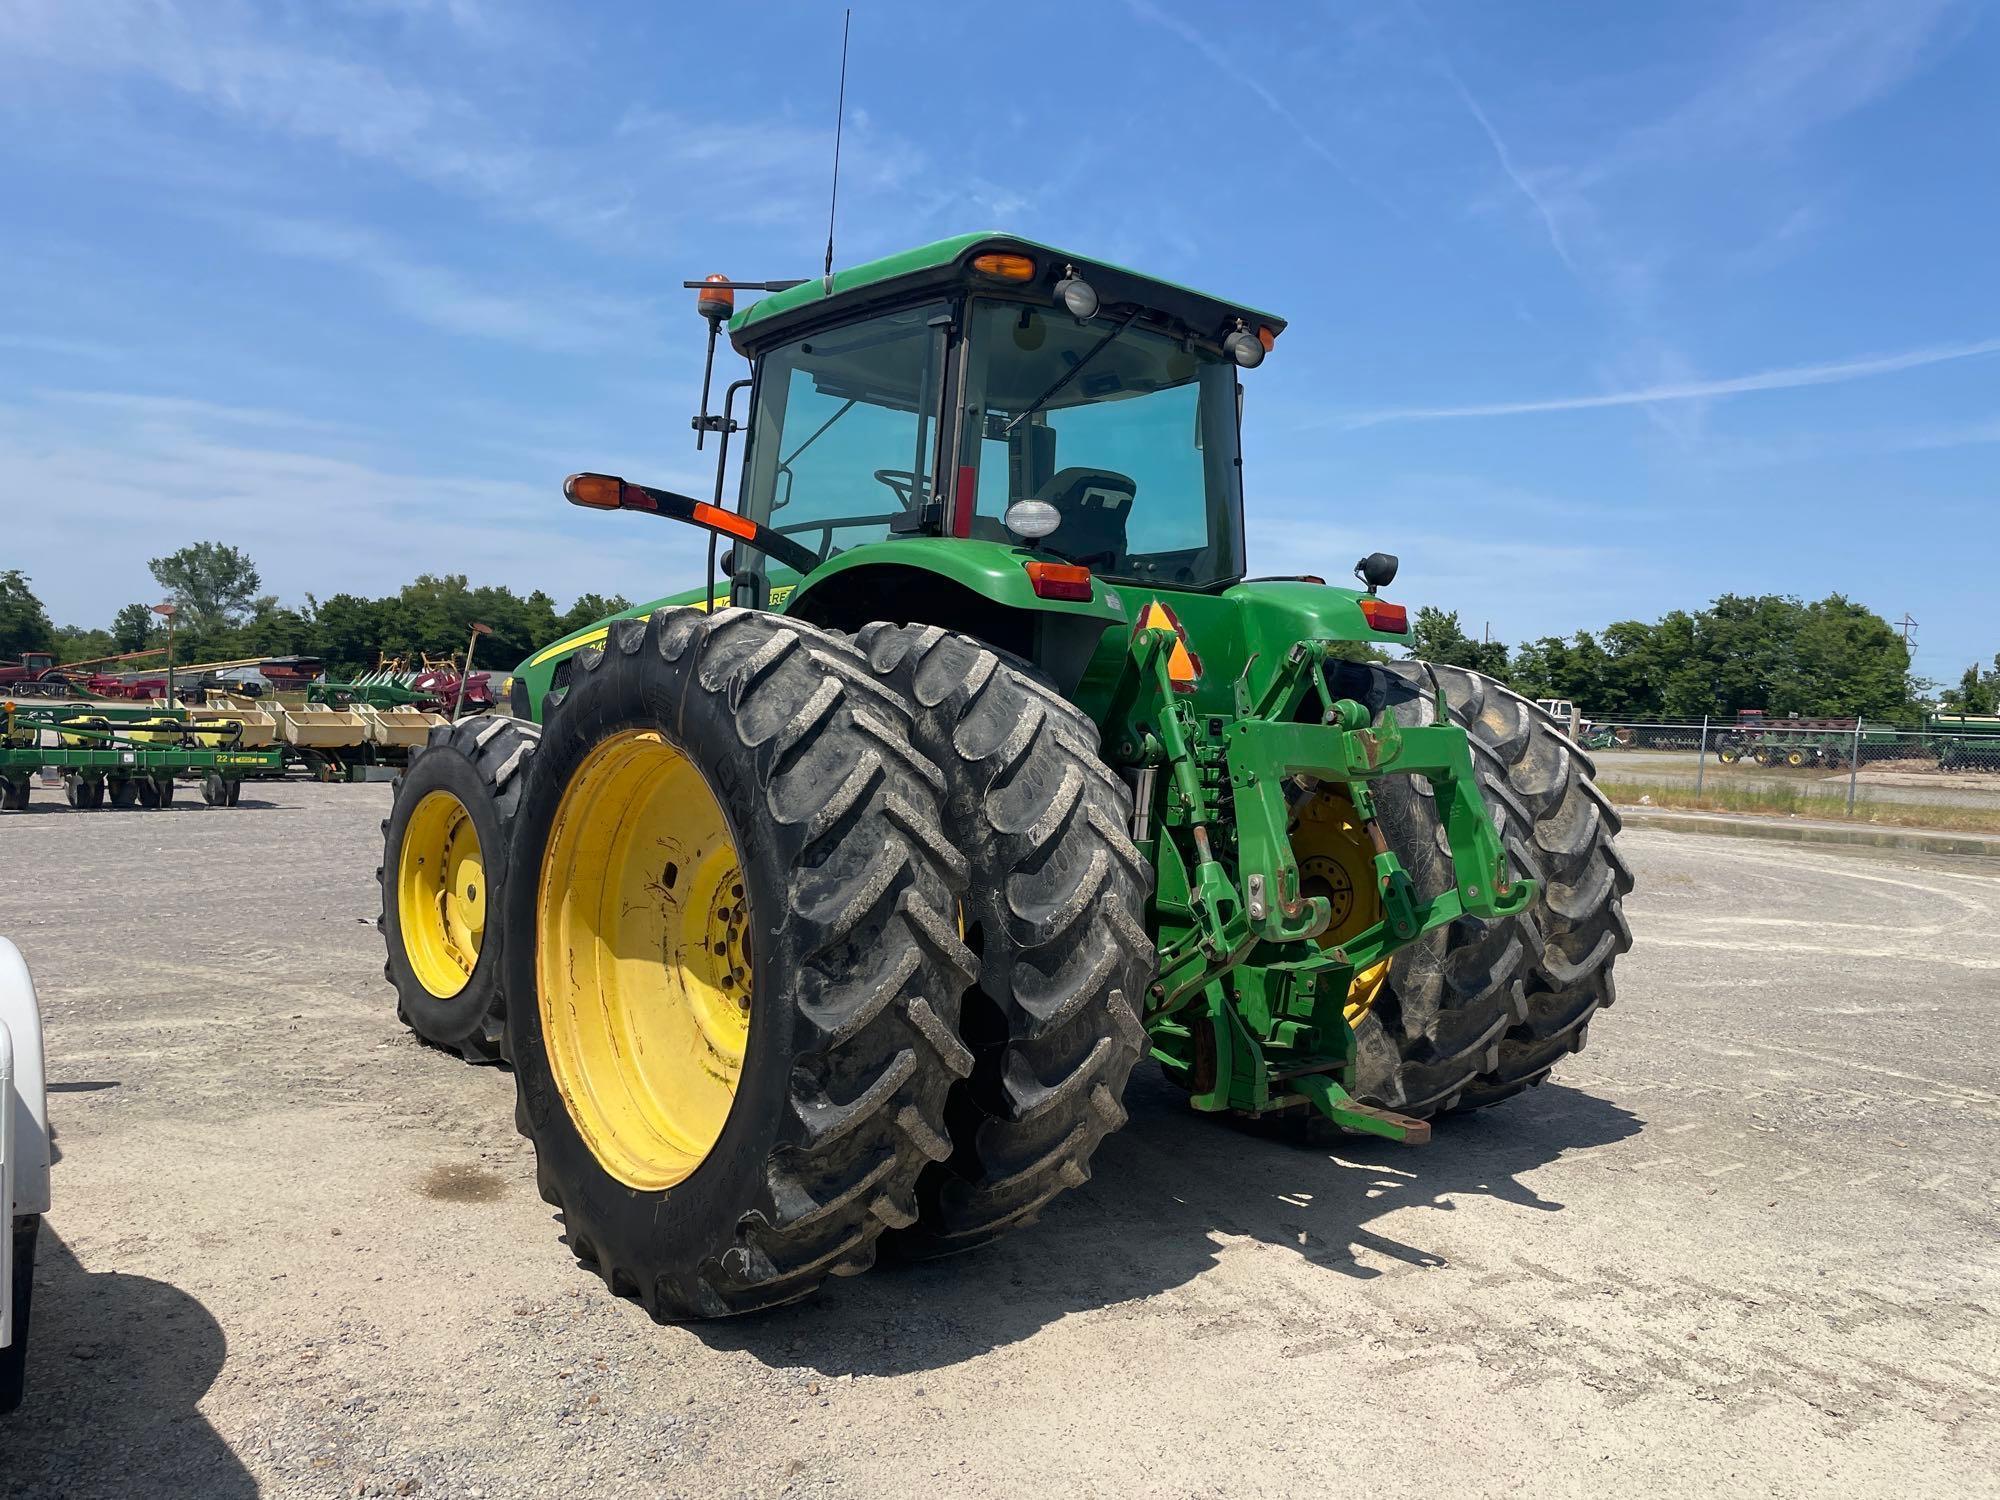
(828, 907)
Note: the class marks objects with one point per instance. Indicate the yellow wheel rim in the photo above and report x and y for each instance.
(1337, 861)
(643, 960)
(441, 894)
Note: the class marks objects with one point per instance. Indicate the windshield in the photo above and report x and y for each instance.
(844, 430)
(1127, 432)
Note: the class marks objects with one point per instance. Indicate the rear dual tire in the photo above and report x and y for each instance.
(1477, 1011)
(1055, 911)
(855, 965)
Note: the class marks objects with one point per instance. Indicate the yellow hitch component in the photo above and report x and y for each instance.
(643, 960)
(441, 894)
(1337, 861)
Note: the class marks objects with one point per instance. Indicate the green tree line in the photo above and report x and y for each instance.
(222, 616)
(1829, 658)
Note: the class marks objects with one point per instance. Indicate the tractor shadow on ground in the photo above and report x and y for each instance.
(1162, 1192)
(116, 1365)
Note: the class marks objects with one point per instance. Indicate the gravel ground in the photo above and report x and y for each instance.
(1745, 1242)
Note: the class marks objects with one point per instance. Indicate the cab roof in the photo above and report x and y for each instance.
(946, 264)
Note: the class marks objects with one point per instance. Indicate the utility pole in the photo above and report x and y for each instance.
(1906, 625)
(458, 703)
(169, 609)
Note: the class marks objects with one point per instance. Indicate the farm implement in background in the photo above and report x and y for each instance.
(122, 757)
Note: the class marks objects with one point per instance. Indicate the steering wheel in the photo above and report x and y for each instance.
(907, 483)
(828, 525)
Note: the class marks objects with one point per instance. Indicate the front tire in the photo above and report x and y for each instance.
(814, 992)
(443, 870)
(1056, 912)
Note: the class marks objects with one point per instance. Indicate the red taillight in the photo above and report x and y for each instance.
(964, 499)
(1059, 581)
(1390, 619)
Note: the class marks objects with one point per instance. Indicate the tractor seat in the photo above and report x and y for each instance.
(1094, 505)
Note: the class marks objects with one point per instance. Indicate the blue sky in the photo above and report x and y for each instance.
(1596, 310)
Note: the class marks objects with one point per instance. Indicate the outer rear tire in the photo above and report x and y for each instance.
(856, 968)
(1477, 1011)
(1055, 910)
(480, 762)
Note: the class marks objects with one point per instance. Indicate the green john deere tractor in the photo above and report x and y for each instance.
(828, 907)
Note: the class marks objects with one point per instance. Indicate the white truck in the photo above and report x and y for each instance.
(24, 1163)
(1574, 724)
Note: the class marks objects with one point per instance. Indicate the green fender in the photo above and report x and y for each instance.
(979, 587)
(992, 571)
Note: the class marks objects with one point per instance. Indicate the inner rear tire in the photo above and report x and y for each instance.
(478, 763)
(1476, 1011)
(1056, 912)
(855, 967)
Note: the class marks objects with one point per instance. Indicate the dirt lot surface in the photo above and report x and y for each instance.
(1745, 1242)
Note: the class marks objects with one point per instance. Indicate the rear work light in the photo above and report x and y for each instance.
(1059, 581)
(1390, 619)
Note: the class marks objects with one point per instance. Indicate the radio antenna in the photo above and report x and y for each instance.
(839, 119)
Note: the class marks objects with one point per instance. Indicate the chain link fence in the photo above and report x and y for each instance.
(1944, 774)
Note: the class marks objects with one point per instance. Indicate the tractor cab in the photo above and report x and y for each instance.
(989, 389)
(999, 437)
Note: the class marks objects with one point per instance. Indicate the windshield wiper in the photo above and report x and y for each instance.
(1073, 371)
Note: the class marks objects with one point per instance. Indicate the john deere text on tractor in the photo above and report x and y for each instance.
(840, 915)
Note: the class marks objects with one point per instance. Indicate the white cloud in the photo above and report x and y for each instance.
(173, 410)
(151, 476)
(70, 348)
(552, 318)
(1248, 81)
(1787, 378)
(253, 66)
(1824, 63)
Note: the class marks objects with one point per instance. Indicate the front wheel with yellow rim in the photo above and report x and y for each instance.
(444, 866)
(733, 961)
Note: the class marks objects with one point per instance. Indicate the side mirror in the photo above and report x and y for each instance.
(1377, 570)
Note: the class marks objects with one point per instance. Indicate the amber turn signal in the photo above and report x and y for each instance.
(598, 491)
(724, 520)
(1004, 267)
